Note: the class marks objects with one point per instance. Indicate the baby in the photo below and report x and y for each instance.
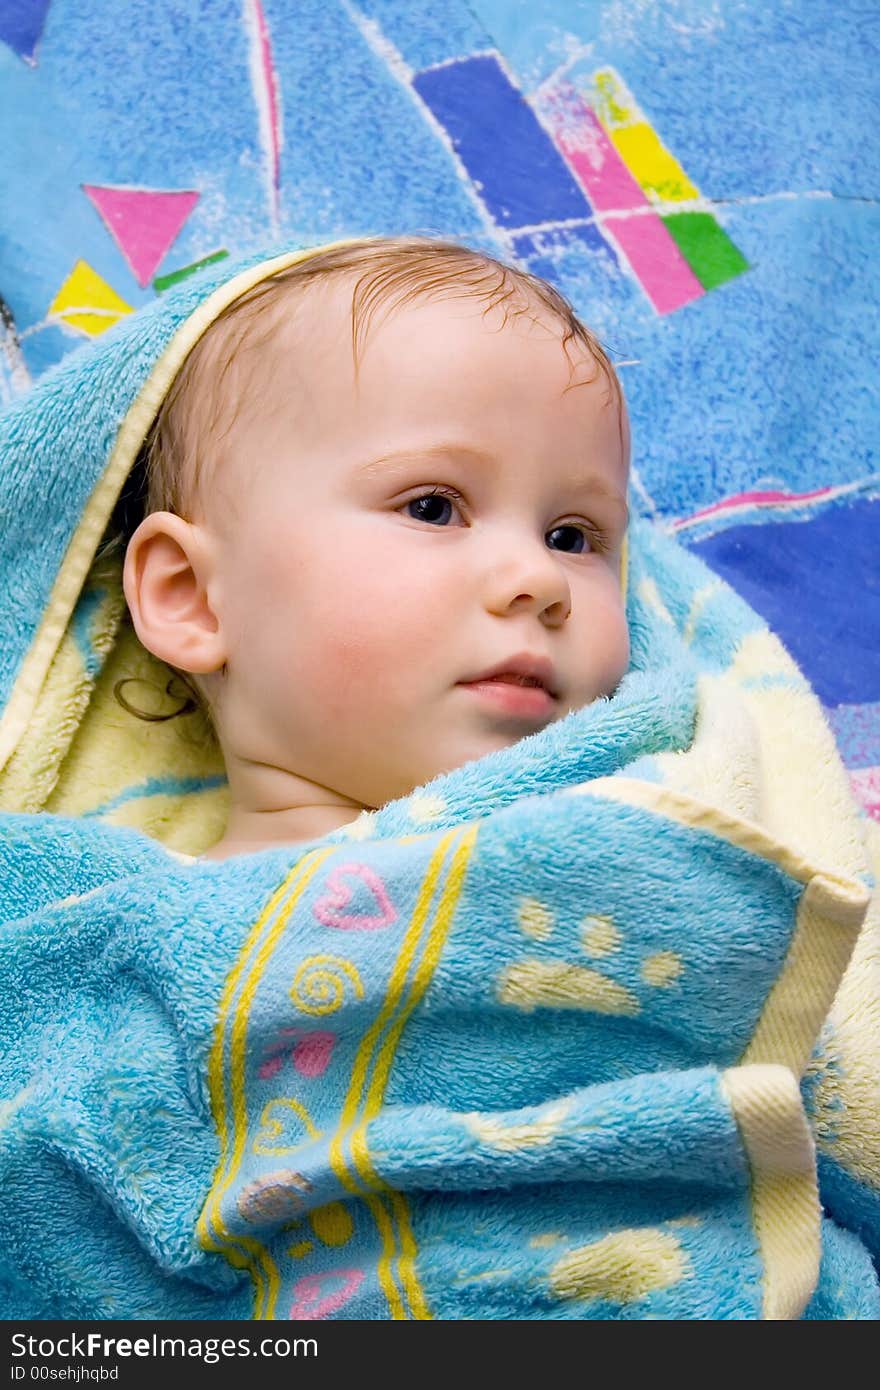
(542, 1044)
(381, 550)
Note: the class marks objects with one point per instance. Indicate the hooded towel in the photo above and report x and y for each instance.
(587, 1028)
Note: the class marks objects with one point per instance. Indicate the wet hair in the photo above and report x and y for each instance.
(200, 410)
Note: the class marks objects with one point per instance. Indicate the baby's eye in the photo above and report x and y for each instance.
(574, 540)
(435, 506)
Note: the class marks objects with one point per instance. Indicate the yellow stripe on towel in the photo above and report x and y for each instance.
(397, 1274)
(244, 1251)
(766, 1103)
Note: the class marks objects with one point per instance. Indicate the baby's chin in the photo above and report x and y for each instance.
(435, 765)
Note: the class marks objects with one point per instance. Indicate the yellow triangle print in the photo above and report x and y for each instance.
(85, 301)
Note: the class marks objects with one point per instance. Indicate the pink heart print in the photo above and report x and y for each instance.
(311, 1303)
(329, 908)
(310, 1055)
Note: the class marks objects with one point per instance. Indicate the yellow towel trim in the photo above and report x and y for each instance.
(766, 1104)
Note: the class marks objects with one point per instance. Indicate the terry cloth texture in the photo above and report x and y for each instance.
(558, 1035)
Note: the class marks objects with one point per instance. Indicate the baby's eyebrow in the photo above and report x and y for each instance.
(429, 451)
(588, 482)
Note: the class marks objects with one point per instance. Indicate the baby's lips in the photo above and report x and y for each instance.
(524, 664)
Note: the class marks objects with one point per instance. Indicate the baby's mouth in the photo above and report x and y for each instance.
(509, 693)
(525, 670)
(512, 679)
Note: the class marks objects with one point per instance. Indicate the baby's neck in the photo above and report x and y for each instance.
(271, 805)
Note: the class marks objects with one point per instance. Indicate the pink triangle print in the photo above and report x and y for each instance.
(143, 222)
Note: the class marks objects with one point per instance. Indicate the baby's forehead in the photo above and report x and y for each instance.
(330, 311)
(256, 364)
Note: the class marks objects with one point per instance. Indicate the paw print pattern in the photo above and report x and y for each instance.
(559, 984)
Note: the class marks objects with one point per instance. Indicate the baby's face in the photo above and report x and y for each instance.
(456, 511)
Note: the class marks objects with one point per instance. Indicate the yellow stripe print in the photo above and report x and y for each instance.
(243, 1251)
(396, 1269)
(364, 1099)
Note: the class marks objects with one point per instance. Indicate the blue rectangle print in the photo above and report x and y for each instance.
(517, 169)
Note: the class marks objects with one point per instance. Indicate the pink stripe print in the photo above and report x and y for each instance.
(664, 274)
(271, 91)
(756, 499)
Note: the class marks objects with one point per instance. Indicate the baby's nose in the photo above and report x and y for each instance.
(528, 577)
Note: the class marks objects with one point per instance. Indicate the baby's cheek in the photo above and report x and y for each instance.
(365, 620)
(354, 660)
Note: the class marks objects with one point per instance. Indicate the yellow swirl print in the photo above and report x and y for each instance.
(319, 984)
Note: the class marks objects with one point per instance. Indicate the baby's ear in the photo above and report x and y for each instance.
(166, 577)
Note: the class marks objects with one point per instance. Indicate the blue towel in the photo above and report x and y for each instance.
(586, 1028)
